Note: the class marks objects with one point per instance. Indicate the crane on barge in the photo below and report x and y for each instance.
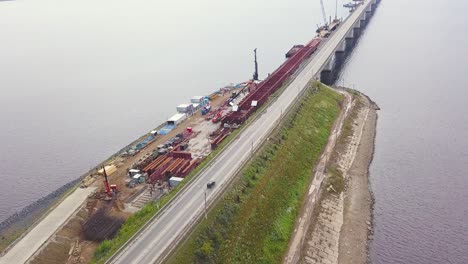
(325, 30)
(324, 14)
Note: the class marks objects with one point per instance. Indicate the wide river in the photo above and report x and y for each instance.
(412, 61)
(81, 79)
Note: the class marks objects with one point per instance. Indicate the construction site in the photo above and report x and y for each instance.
(152, 166)
(145, 172)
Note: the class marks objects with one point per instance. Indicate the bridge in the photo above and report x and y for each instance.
(345, 38)
(154, 242)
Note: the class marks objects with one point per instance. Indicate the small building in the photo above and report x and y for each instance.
(185, 108)
(197, 99)
(174, 181)
(176, 119)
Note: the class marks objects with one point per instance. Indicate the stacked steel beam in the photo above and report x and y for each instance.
(219, 136)
(270, 84)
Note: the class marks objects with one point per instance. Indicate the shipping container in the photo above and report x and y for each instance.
(174, 181)
(197, 99)
(176, 119)
(185, 108)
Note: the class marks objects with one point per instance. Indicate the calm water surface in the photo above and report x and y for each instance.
(79, 80)
(412, 61)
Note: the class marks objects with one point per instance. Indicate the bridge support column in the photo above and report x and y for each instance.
(326, 73)
(374, 4)
(349, 40)
(338, 62)
(369, 12)
(342, 47)
(363, 21)
(357, 29)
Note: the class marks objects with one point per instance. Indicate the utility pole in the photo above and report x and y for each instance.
(255, 75)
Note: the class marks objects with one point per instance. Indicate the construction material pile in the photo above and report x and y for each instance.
(270, 85)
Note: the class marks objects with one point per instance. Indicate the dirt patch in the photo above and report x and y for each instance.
(71, 229)
(55, 253)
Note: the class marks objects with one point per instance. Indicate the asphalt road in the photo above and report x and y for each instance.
(151, 245)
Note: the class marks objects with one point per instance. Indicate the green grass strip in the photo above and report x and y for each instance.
(254, 220)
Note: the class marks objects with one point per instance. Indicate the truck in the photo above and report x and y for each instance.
(205, 110)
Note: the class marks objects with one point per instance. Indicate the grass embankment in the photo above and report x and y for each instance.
(253, 221)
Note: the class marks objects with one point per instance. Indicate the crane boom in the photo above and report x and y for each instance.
(323, 13)
(255, 75)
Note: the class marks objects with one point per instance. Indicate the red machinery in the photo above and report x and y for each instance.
(274, 81)
(217, 117)
(110, 189)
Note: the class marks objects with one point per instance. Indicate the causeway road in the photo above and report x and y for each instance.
(35, 238)
(153, 243)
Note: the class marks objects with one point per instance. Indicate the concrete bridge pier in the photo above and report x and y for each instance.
(363, 20)
(338, 61)
(374, 4)
(349, 40)
(326, 73)
(339, 57)
(357, 29)
(369, 12)
(341, 48)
